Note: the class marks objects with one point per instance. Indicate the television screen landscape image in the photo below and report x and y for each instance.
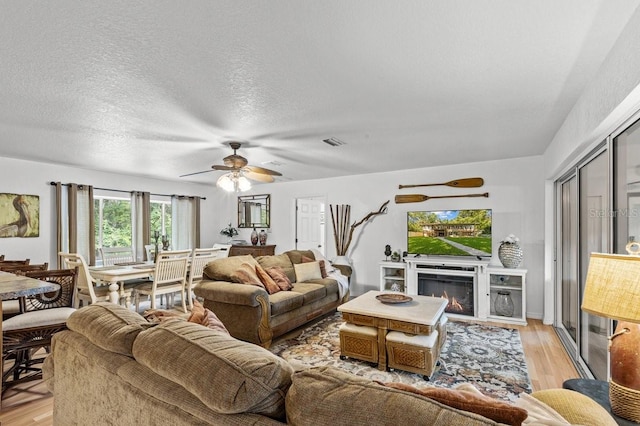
(449, 233)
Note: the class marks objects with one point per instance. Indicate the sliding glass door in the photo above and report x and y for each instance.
(583, 196)
(594, 237)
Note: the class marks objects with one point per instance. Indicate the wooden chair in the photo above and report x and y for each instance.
(23, 269)
(169, 277)
(24, 334)
(9, 263)
(150, 252)
(86, 288)
(222, 250)
(199, 260)
(112, 255)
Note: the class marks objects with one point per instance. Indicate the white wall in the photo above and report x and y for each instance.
(516, 194)
(25, 177)
(611, 98)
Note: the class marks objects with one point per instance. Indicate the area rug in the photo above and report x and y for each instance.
(492, 358)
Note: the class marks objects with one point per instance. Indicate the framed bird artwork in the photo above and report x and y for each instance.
(19, 215)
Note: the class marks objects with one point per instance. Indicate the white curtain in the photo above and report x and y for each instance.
(140, 223)
(185, 222)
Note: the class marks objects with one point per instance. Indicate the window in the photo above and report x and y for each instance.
(161, 218)
(112, 221)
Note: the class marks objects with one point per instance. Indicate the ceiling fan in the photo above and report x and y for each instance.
(239, 171)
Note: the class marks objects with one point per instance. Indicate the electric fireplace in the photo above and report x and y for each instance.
(457, 285)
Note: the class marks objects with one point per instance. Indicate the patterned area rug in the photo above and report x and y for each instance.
(492, 358)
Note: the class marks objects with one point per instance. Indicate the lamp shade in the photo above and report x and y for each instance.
(612, 287)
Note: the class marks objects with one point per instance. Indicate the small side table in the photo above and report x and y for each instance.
(598, 390)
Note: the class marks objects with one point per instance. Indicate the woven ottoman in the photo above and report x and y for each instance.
(359, 342)
(416, 353)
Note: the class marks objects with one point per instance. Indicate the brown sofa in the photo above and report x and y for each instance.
(113, 367)
(250, 313)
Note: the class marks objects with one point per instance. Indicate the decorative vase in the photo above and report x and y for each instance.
(510, 255)
(263, 237)
(503, 304)
(396, 287)
(254, 237)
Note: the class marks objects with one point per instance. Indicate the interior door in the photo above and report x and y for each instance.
(310, 224)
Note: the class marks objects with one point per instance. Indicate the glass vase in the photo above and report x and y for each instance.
(504, 304)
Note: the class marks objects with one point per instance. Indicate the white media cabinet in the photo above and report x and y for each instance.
(487, 282)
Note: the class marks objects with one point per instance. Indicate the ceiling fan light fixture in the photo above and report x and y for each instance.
(233, 182)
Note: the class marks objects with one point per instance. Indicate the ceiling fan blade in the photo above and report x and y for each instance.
(225, 168)
(262, 170)
(258, 176)
(196, 173)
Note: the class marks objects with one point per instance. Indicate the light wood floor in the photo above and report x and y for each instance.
(547, 362)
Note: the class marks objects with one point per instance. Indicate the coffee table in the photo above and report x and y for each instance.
(420, 316)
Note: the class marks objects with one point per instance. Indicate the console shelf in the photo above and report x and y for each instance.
(392, 276)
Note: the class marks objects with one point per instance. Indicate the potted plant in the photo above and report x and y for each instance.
(229, 232)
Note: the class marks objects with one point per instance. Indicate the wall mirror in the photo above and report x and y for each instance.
(254, 211)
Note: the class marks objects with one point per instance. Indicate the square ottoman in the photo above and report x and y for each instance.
(359, 342)
(416, 353)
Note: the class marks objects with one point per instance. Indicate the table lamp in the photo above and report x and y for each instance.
(612, 290)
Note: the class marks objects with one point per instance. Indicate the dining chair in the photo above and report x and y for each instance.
(87, 288)
(150, 250)
(25, 334)
(9, 263)
(112, 255)
(169, 277)
(13, 307)
(222, 250)
(199, 260)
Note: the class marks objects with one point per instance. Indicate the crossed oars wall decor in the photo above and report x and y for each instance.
(475, 182)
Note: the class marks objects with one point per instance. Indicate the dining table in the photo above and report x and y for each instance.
(15, 286)
(115, 276)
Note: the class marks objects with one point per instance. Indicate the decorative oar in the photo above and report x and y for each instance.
(416, 198)
(475, 182)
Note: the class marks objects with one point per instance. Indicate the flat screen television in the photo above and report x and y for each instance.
(449, 233)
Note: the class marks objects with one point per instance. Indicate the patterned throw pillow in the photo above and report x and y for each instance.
(246, 274)
(280, 277)
(267, 281)
(323, 269)
(203, 316)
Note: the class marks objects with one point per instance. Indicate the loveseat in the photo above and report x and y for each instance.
(254, 314)
(114, 367)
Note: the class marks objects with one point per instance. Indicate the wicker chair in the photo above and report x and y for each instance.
(25, 334)
(13, 307)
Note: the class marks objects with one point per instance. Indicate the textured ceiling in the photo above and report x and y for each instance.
(157, 88)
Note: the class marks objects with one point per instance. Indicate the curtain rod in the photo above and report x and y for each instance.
(129, 192)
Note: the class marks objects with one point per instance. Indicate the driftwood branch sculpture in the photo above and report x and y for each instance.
(342, 232)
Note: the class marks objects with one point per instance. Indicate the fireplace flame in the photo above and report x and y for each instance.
(453, 304)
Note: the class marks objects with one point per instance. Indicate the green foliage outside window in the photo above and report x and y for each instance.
(113, 221)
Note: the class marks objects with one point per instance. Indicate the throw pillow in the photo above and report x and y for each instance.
(267, 281)
(203, 316)
(469, 400)
(280, 277)
(307, 271)
(246, 274)
(323, 269)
